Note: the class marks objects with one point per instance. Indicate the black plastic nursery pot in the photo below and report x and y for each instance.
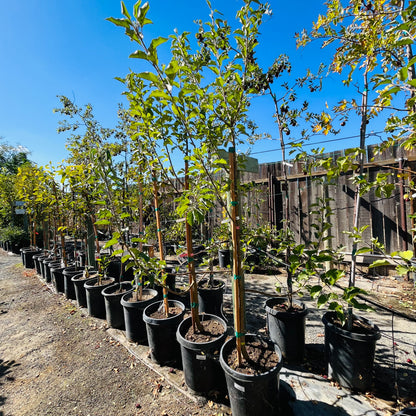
(113, 308)
(210, 299)
(36, 260)
(28, 257)
(22, 250)
(114, 268)
(57, 276)
(350, 355)
(78, 281)
(133, 314)
(161, 334)
(224, 257)
(200, 360)
(42, 264)
(287, 328)
(170, 282)
(252, 395)
(95, 299)
(46, 268)
(69, 288)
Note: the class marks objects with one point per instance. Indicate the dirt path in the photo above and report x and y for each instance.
(56, 361)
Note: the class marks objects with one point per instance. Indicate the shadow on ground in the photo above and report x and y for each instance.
(5, 375)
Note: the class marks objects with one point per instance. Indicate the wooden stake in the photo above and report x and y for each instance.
(141, 231)
(159, 237)
(193, 292)
(238, 276)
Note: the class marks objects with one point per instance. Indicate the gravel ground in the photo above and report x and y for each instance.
(394, 384)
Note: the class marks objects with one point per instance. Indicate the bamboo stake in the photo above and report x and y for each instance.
(141, 231)
(159, 237)
(193, 293)
(94, 227)
(412, 212)
(238, 276)
(357, 198)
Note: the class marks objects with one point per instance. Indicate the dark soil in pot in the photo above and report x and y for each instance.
(200, 355)
(133, 314)
(95, 299)
(253, 388)
(113, 308)
(350, 354)
(161, 332)
(286, 327)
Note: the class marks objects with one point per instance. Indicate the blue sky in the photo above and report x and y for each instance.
(53, 47)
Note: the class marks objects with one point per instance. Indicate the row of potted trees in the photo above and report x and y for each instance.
(199, 351)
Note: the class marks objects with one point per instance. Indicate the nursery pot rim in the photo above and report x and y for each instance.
(124, 302)
(148, 319)
(69, 270)
(107, 294)
(88, 283)
(250, 377)
(194, 345)
(57, 269)
(279, 300)
(205, 279)
(75, 278)
(376, 335)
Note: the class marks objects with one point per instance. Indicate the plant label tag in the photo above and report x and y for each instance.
(201, 357)
(238, 387)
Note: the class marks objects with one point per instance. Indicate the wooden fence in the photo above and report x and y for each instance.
(388, 218)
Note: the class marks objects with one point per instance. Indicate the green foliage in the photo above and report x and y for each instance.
(17, 236)
(403, 261)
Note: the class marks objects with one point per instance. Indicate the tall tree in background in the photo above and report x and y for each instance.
(367, 37)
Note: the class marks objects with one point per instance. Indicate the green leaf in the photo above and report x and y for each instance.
(110, 243)
(149, 76)
(141, 14)
(406, 255)
(119, 22)
(172, 69)
(156, 42)
(402, 270)
(124, 10)
(379, 263)
(117, 252)
(129, 265)
(402, 74)
(314, 290)
(102, 222)
(136, 8)
(140, 55)
(160, 94)
(322, 300)
(125, 258)
(362, 250)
